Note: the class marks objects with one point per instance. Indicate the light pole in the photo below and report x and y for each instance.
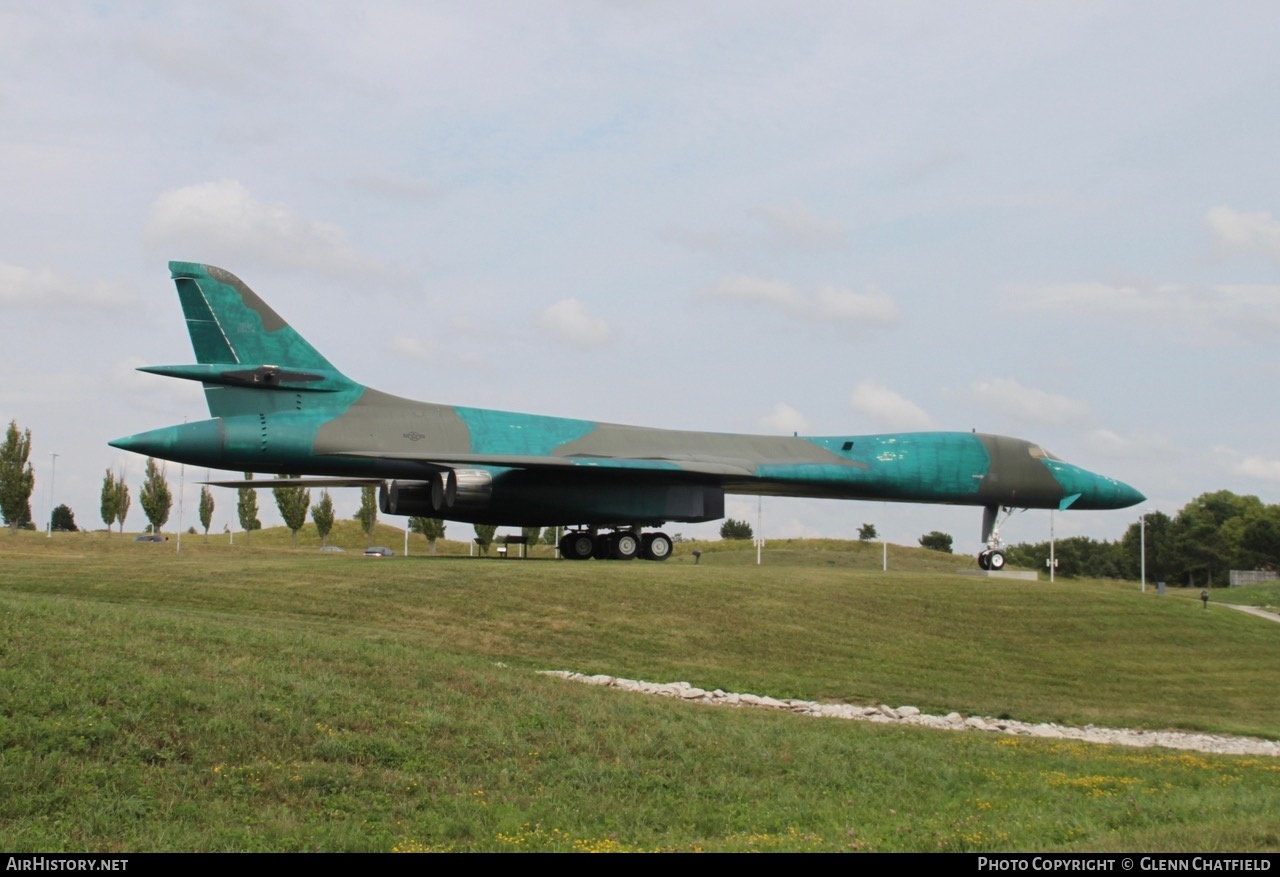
(759, 528)
(1053, 561)
(1142, 547)
(884, 539)
(52, 476)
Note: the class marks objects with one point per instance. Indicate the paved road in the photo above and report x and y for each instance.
(1253, 610)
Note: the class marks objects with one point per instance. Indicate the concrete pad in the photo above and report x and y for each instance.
(1022, 574)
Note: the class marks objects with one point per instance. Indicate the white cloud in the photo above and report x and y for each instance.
(150, 392)
(780, 226)
(1247, 233)
(223, 221)
(872, 307)
(1240, 309)
(1249, 465)
(1259, 467)
(400, 188)
(887, 408)
(793, 224)
(194, 63)
(759, 290)
(784, 419)
(1105, 443)
(48, 290)
(1083, 298)
(415, 348)
(570, 320)
(1008, 397)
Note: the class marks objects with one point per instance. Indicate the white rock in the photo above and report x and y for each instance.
(910, 715)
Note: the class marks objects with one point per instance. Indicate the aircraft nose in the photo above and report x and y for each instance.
(1082, 489)
(1127, 496)
(1101, 492)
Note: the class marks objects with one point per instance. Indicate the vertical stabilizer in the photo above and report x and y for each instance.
(231, 326)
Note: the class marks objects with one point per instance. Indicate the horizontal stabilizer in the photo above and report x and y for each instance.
(263, 377)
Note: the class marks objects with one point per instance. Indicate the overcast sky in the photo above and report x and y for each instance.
(1051, 220)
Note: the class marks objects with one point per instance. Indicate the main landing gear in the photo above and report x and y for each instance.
(618, 545)
(992, 557)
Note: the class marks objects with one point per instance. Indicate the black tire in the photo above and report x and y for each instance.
(984, 560)
(577, 546)
(656, 546)
(624, 545)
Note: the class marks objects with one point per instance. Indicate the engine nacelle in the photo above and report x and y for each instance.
(472, 490)
(411, 498)
(464, 490)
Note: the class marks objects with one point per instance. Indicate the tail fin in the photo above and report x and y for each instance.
(230, 325)
(248, 355)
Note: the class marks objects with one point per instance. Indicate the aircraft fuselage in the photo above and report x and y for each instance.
(278, 405)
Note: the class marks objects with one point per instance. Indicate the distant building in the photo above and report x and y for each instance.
(1251, 577)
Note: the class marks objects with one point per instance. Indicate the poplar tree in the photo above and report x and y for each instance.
(155, 496)
(110, 500)
(322, 514)
(368, 514)
(206, 509)
(484, 536)
(247, 509)
(122, 500)
(17, 480)
(293, 502)
(431, 528)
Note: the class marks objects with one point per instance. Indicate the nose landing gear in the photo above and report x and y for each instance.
(992, 556)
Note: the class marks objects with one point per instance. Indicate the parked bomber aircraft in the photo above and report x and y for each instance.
(277, 405)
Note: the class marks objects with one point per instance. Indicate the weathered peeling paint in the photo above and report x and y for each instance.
(546, 470)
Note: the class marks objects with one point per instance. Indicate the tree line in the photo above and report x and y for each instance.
(1210, 536)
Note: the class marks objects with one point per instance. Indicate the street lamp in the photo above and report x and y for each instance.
(1142, 547)
(52, 476)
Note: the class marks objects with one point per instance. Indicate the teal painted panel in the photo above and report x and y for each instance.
(251, 330)
(815, 473)
(938, 466)
(502, 432)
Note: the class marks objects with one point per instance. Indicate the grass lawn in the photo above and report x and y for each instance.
(258, 698)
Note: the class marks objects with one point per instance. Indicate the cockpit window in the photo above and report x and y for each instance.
(1039, 453)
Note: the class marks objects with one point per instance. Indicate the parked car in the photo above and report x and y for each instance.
(333, 548)
(378, 551)
(150, 537)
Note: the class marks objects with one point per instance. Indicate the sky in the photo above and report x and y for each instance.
(1058, 221)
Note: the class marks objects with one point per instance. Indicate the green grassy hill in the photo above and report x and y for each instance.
(257, 697)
